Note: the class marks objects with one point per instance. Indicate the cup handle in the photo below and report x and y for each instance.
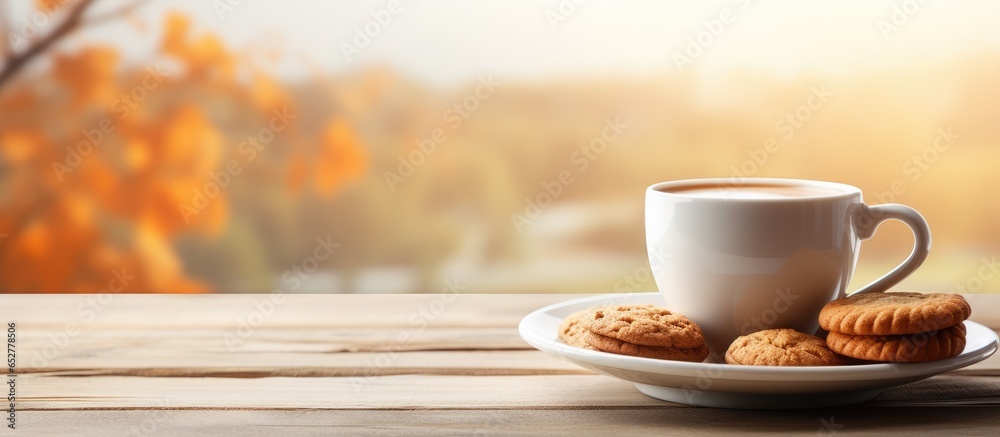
(867, 218)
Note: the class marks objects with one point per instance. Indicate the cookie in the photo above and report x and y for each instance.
(571, 332)
(894, 313)
(781, 347)
(923, 346)
(616, 346)
(644, 325)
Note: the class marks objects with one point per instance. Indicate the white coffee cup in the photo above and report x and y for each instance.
(763, 253)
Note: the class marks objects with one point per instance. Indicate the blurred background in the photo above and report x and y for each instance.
(494, 147)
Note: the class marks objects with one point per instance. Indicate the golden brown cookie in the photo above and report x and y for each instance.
(571, 332)
(894, 313)
(923, 346)
(781, 347)
(644, 325)
(616, 346)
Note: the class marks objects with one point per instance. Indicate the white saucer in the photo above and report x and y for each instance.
(749, 387)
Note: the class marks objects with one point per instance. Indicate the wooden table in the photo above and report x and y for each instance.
(389, 364)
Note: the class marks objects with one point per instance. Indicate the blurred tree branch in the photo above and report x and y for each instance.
(6, 47)
(14, 61)
(124, 10)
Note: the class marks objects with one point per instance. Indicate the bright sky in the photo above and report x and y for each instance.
(445, 41)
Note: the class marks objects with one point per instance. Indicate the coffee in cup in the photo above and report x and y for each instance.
(740, 257)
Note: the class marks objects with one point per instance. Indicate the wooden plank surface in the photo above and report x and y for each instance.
(408, 392)
(388, 364)
(858, 420)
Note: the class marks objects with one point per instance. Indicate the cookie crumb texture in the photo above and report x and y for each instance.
(571, 332)
(636, 330)
(781, 347)
(644, 325)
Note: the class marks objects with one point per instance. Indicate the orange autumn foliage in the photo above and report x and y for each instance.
(89, 74)
(49, 6)
(341, 159)
(297, 172)
(166, 160)
(205, 56)
(95, 163)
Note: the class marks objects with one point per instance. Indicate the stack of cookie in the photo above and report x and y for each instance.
(637, 330)
(896, 327)
(883, 327)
